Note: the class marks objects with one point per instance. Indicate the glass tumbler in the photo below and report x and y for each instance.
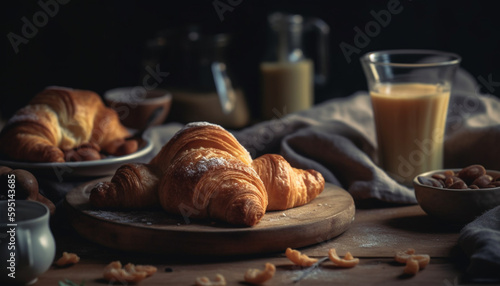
(410, 92)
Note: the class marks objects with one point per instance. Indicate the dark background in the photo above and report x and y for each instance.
(99, 45)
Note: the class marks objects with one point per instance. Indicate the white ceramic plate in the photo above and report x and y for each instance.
(97, 168)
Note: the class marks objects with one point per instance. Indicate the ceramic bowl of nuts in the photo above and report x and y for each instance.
(458, 195)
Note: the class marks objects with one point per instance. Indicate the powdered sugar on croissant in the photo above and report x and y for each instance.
(200, 134)
(212, 184)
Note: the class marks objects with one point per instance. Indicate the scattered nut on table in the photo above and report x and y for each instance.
(299, 259)
(67, 259)
(411, 267)
(205, 281)
(257, 276)
(403, 256)
(130, 273)
(346, 262)
(414, 262)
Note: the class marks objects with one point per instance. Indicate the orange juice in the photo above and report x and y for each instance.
(410, 121)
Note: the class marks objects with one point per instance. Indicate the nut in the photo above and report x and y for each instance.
(219, 280)
(348, 261)
(4, 170)
(482, 181)
(299, 259)
(414, 262)
(26, 186)
(433, 182)
(439, 176)
(130, 273)
(67, 259)
(257, 276)
(472, 172)
(449, 181)
(411, 267)
(84, 152)
(458, 185)
(495, 184)
(472, 177)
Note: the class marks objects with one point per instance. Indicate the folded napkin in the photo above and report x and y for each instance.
(480, 241)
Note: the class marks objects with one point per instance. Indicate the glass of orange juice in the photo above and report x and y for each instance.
(410, 92)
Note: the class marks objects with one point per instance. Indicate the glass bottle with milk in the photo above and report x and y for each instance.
(288, 77)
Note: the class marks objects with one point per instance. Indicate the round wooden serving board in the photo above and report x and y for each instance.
(155, 231)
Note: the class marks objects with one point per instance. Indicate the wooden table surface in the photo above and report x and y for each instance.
(374, 237)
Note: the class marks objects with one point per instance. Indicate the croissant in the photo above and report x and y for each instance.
(211, 183)
(204, 172)
(133, 186)
(195, 134)
(200, 134)
(59, 119)
(287, 187)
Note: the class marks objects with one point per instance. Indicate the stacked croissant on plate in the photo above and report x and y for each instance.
(57, 121)
(204, 172)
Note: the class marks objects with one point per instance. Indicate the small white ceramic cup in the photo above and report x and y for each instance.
(27, 247)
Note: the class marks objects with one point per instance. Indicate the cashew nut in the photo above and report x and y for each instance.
(130, 273)
(67, 259)
(411, 267)
(347, 261)
(403, 257)
(299, 259)
(205, 281)
(256, 276)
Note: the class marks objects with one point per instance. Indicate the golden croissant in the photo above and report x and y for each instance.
(133, 186)
(204, 172)
(210, 183)
(59, 119)
(287, 187)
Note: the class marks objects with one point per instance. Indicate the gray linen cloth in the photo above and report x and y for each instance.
(480, 241)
